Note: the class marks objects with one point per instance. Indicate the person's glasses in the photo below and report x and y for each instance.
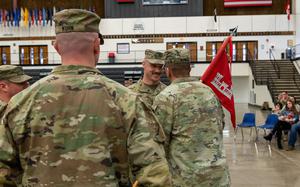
(101, 39)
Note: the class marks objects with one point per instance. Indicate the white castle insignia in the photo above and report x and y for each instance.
(223, 87)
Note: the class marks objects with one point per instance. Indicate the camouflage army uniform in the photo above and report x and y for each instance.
(192, 119)
(79, 128)
(2, 107)
(14, 75)
(147, 92)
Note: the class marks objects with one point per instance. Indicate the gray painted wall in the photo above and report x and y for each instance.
(137, 9)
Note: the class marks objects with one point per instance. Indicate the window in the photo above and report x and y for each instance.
(164, 2)
(241, 50)
(213, 50)
(234, 52)
(244, 52)
(35, 54)
(192, 46)
(4, 55)
(123, 48)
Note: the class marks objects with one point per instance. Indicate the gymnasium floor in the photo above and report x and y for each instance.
(254, 165)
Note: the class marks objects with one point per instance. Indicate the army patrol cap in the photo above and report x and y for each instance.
(77, 20)
(13, 74)
(154, 57)
(177, 56)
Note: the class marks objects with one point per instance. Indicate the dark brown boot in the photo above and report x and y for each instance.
(279, 145)
(268, 137)
(290, 148)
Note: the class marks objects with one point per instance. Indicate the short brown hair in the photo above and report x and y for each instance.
(180, 70)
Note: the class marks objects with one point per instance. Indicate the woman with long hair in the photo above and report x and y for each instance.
(287, 117)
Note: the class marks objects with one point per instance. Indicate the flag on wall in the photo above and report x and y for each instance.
(218, 77)
(21, 17)
(26, 17)
(32, 17)
(4, 12)
(246, 3)
(8, 18)
(288, 9)
(44, 16)
(40, 16)
(215, 15)
(36, 16)
(15, 15)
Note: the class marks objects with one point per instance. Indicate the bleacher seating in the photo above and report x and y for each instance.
(118, 74)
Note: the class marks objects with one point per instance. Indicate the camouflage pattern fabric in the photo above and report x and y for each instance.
(148, 93)
(76, 20)
(4, 170)
(13, 74)
(2, 107)
(154, 57)
(192, 119)
(76, 127)
(176, 56)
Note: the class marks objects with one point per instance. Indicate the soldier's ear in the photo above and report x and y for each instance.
(96, 46)
(167, 72)
(3, 86)
(55, 45)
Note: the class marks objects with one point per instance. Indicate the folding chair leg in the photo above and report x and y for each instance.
(265, 132)
(235, 132)
(269, 147)
(242, 134)
(256, 149)
(256, 138)
(250, 135)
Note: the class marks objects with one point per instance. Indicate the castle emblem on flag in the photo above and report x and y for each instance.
(222, 86)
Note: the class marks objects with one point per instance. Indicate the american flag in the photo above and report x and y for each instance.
(245, 3)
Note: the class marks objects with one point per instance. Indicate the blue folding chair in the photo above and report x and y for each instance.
(270, 122)
(248, 122)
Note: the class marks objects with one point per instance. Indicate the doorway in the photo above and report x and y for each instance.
(35, 54)
(4, 55)
(192, 46)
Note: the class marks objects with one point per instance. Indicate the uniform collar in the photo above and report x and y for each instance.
(2, 105)
(146, 88)
(185, 79)
(74, 69)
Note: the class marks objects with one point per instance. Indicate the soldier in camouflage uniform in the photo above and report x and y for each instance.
(149, 86)
(76, 127)
(12, 81)
(191, 116)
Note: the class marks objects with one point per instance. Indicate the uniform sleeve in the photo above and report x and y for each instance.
(145, 148)
(11, 132)
(8, 161)
(163, 108)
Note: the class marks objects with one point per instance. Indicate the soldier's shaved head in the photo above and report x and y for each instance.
(79, 48)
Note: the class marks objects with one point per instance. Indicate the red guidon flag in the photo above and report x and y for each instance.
(245, 3)
(218, 77)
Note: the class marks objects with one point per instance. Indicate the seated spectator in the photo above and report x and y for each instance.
(296, 104)
(128, 82)
(287, 117)
(277, 109)
(293, 136)
(283, 97)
